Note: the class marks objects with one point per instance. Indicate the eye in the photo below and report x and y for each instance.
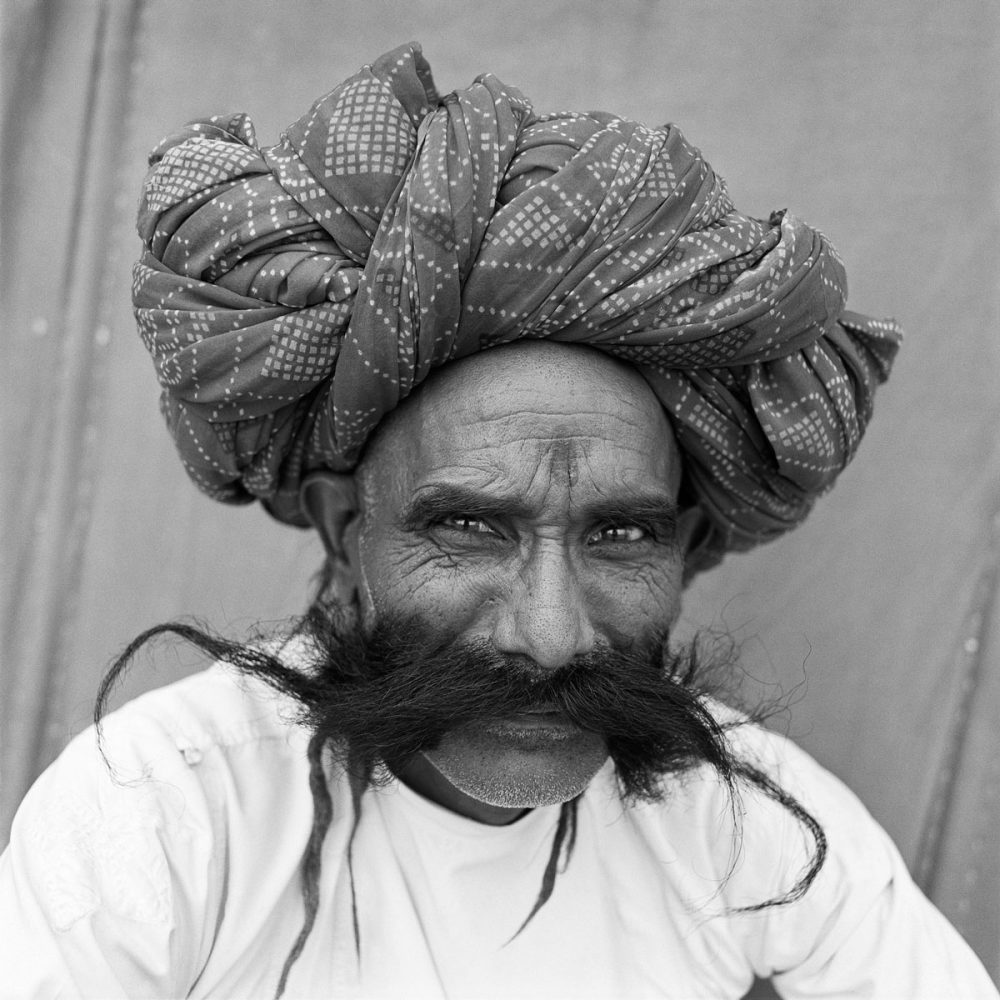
(619, 534)
(468, 524)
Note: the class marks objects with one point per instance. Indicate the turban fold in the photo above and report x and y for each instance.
(291, 296)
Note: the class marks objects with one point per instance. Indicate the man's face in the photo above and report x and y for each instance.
(525, 497)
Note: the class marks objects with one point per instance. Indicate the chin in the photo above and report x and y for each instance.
(522, 795)
(503, 773)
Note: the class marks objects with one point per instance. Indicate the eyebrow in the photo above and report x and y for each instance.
(439, 500)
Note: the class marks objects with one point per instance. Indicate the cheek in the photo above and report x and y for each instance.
(405, 577)
(631, 601)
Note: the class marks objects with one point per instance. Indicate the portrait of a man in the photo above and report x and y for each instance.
(530, 382)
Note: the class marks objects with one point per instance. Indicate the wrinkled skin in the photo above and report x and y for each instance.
(527, 496)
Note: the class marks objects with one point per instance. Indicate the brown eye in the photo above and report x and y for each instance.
(618, 534)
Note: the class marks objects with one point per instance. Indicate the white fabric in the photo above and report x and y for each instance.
(180, 878)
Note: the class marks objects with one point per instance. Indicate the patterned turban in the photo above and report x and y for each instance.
(293, 295)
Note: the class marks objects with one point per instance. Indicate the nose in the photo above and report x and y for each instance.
(544, 616)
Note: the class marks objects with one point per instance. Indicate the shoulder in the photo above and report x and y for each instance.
(216, 709)
(113, 825)
(851, 835)
(789, 768)
(862, 926)
(756, 837)
(797, 809)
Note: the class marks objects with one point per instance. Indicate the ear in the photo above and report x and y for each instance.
(330, 500)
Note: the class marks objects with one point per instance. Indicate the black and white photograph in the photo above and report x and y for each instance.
(500, 500)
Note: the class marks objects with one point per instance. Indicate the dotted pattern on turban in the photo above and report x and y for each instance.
(291, 296)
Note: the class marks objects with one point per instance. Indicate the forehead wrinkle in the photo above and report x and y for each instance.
(655, 466)
(537, 464)
(565, 421)
(552, 466)
(491, 437)
(526, 484)
(528, 468)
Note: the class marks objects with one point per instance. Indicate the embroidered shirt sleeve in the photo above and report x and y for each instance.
(103, 890)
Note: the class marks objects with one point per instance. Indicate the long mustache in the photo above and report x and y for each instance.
(385, 694)
(395, 690)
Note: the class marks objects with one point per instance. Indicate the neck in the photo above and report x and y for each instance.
(419, 774)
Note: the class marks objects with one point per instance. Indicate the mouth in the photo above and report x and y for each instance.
(541, 724)
(544, 709)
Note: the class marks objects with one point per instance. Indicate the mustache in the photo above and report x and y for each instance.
(383, 694)
(392, 691)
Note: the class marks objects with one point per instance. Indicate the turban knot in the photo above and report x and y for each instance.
(291, 296)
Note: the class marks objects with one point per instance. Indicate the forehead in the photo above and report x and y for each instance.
(544, 422)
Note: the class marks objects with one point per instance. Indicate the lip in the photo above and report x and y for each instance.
(545, 709)
(534, 725)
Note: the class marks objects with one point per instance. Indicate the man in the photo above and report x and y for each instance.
(524, 374)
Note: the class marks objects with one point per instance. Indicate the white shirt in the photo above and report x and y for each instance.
(179, 877)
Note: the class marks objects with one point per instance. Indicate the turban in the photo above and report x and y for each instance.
(291, 296)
